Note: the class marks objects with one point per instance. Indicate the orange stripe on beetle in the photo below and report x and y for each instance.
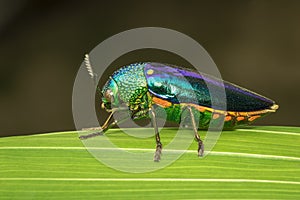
(200, 108)
(240, 118)
(228, 118)
(253, 118)
(216, 116)
(161, 102)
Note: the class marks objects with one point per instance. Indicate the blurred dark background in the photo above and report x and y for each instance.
(255, 44)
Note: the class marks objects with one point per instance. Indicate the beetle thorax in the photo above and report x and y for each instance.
(131, 82)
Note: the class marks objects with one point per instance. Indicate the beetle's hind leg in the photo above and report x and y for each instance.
(157, 137)
(195, 129)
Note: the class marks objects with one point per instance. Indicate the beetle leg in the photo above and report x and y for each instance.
(197, 137)
(101, 130)
(157, 137)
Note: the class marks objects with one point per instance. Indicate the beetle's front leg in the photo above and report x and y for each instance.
(98, 131)
(195, 129)
(157, 137)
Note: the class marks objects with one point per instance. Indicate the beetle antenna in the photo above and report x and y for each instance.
(90, 69)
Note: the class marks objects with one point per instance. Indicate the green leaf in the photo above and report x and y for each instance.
(252, 163)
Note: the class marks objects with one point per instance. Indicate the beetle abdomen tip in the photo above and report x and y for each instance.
(274, 107)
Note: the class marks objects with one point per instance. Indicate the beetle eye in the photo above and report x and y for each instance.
(109, 96)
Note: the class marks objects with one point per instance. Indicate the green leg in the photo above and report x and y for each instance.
(197, 137)
(157, 138)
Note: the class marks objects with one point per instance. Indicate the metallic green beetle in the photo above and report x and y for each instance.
(148, 87)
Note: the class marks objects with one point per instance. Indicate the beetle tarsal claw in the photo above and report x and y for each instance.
(200, 148)
(98, 128)
(84, 137)
(158, 152)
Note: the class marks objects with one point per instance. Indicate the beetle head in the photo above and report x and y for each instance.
(110, 97)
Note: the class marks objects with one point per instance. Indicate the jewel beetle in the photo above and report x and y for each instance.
(141, 87)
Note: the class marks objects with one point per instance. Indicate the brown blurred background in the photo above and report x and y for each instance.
(255, 44)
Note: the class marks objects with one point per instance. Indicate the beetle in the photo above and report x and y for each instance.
(146, 88)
